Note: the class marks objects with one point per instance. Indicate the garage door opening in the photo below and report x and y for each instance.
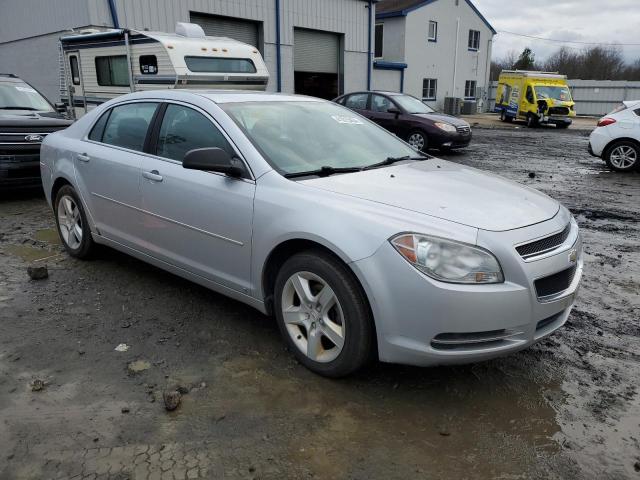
(316, 63)
(245, 31)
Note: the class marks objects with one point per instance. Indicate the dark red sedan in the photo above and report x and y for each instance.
(410, 119)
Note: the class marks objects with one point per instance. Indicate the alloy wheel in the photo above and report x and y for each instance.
(70, 221)
(623, 157)
(313, 316)
(416, 140)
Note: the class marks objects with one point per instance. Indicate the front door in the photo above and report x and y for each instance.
(199, 221)
(108, 170)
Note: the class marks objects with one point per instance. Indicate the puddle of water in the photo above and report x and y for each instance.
(49, 235)
(28, 253)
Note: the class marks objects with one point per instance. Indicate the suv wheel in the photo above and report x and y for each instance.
(72, 224)
(623, 156)
(418, 140)
(322, 314)
(532, 121)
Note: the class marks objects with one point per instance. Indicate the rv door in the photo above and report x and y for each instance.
(75, 84)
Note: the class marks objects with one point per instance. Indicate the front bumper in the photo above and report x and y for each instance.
(16, 172)
(451, 140)
(421, 321)
(598, 140)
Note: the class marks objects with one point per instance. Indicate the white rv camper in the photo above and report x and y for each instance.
(98, 65)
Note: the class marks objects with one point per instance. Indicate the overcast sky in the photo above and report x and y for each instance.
(606, 21)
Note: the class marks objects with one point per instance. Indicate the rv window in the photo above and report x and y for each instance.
(220, 65)
(148, 64)
(128, 124)
(75, 72)
(112, 71)
(184, 129)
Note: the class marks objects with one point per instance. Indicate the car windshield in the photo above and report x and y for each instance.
(556, 93)
(303, 136)
(412, 104)
(20, 96)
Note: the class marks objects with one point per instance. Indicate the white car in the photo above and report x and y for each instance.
(616, 139)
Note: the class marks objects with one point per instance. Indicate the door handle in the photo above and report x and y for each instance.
(153, 175)
(83, 157)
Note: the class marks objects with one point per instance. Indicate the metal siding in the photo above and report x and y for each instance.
(315, 51)
(241, 30)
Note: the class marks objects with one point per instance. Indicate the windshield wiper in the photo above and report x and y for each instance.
(391, 160)
(17, 108)
(324, 171)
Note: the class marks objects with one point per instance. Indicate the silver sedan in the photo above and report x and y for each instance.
(360, 246)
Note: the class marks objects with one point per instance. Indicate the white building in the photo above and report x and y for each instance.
(317, 47)
(432, 49)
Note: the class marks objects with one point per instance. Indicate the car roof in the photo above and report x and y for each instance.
(218, 96)
(9, 77)
(381, 92)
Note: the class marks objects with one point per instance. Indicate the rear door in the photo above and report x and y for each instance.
(108, 166)
(199, 221)
(379, 113)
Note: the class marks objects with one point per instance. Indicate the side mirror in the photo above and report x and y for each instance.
(60, 107)
(212, 160)
(394, 110)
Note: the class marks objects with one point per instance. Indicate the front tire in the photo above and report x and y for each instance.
(323, 314)
(532, 120)
(418, 140)
(623, 156)
(72, 224)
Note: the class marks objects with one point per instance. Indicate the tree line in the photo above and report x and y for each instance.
(591, 63)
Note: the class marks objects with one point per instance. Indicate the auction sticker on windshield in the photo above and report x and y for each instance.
(347, 120)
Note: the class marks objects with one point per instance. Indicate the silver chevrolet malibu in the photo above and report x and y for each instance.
(359, 245)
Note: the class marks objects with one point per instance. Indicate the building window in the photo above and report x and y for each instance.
(429, 87)
(474, 40)
(433, 31)
(112, 71)
(378, 42)
(470, 89)
(148, 64)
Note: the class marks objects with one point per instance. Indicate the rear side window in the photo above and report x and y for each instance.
(220, 65)
(357, 101)
(637, 111)
(98, 129)
(127, 125)
(184, 129)
(112, 71)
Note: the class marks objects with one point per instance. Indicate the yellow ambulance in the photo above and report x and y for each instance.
(535, 97)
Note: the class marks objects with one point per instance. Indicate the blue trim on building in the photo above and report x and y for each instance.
(403, 13)
(369, 53)
(114, 14)
(382, 65)
(278, 48)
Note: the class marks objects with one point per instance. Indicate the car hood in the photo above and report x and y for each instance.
(442, 117)
(448, 191)
(32, 119)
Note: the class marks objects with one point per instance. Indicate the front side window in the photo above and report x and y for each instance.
(128, 124)
(112, 71)
(380, 103)
(148, 64)
(429, 87)
(433, 31)
(21, 96)
(184, 129)
(357, 101)
(379, 40)
(299, 136)
(474, 40)
(220, 65)
(75, 71)
(530, 98)
(470, 89)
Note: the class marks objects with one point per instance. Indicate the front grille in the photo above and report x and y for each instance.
(465, 130)
(556, 283)
(559, 111)
(547, 321)
(544, 245)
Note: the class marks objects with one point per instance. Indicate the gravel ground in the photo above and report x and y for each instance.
(71, 406)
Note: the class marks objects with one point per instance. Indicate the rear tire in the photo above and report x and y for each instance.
(328, 325)
(72, 224)
(623, 156)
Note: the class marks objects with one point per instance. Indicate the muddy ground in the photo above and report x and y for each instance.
(567, 408)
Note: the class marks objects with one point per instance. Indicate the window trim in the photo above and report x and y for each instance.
(471, 41)
(109, 57)
(381, 24)
(475, 87)
(435, 37)
(435, 89)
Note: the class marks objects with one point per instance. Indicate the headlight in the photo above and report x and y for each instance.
(447, 127)
(448, 261)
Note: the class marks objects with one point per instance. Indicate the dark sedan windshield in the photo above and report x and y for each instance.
(412, 104)
(20, 96)
(306, 136)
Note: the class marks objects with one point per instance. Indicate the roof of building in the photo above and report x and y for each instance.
(400, 8)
